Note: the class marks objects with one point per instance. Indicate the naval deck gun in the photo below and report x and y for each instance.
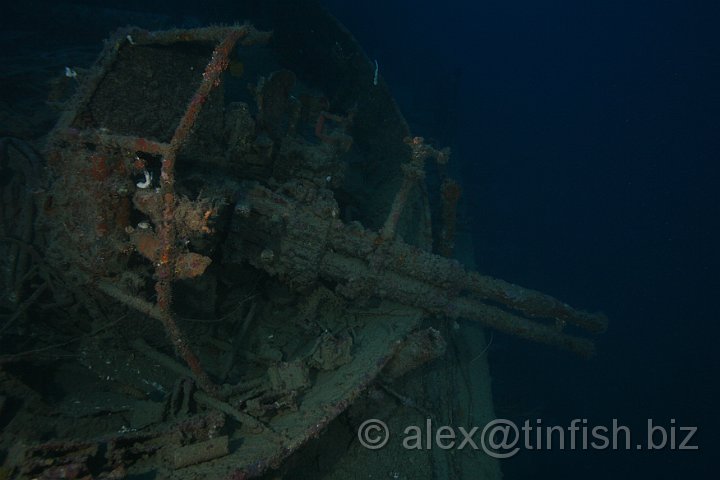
(200, 169)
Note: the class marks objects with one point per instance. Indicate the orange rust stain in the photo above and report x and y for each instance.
(191, 265)
(121, 169)
(139, 164)
(147, 244)
(101, 229)
(98, 167)
(122, 213)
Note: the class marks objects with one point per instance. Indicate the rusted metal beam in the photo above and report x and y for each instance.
(165, 266)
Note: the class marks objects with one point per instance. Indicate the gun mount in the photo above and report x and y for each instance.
(295, 234)
(193, 166)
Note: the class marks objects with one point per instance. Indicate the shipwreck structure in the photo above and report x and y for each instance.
(259, 194)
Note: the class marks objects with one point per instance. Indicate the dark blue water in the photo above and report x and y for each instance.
(586, 138)
(587, 133)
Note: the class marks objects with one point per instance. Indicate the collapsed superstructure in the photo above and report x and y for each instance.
(200, 171)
